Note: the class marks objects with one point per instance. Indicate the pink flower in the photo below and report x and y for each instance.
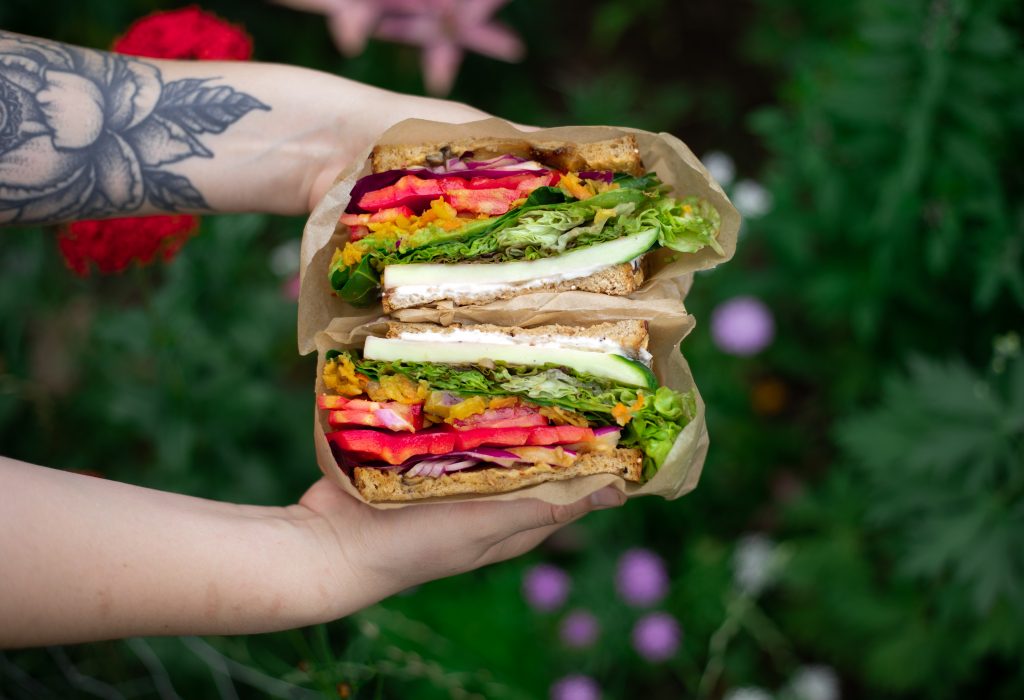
(641, 577)
(445, 28)
(545, 587)
(290, 289)
(656, 636)
(576, 687)
(742, 326)
(351, 22)
(579, 629)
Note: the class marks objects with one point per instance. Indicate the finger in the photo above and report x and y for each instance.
(530, 514)
(522, 542)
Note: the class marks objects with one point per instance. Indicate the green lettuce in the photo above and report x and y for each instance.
(686, 225)
(653, 429)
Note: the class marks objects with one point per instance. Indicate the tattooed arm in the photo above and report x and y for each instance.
(90, 134)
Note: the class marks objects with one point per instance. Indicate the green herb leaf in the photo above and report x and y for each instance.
(362, 285)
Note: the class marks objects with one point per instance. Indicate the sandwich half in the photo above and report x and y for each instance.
(477, 221)
(433, 411)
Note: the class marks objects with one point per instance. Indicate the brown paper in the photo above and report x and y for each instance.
(671, 272)
(668, 325)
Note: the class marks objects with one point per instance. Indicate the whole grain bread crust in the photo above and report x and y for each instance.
(631, 335)
(615, 280)
(620, 154)
(386, 486)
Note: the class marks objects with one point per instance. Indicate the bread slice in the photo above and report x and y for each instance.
(616, 280)
(387, 486)
(620, 154)
(630, 336)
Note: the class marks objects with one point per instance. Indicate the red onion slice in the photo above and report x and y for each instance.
(461, 464)
(602, 175)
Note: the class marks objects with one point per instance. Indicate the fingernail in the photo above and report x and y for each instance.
(608, 497)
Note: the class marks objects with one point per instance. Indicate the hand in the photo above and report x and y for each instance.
(391, 550)
(383, 110)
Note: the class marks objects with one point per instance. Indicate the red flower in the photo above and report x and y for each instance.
(187, 33)
(113, 244)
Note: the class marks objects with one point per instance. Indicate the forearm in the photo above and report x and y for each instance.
(89, 134)
(87, 559)
(283, 158)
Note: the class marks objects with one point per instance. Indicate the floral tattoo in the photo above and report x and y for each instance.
(87, 134)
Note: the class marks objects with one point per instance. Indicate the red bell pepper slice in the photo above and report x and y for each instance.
(496, 437)
(559, 435)
(394, 449)
(517, 437)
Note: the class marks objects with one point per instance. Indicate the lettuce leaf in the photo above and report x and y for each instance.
(654, 427)
(686, 225)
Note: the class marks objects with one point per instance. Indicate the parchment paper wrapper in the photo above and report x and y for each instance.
(670, 272)
(668, 325)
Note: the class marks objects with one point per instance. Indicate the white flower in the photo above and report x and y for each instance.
(748, 693)
(751, 198)
(284, 258)
(755, 564)
(815, 683)
(721, 167)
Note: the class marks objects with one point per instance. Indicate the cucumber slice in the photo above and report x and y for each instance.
(608, 366)
(582, 262)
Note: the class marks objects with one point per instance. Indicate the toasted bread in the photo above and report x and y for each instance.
(618, 155)
(615, 280)
(386, 486)
(631, 336)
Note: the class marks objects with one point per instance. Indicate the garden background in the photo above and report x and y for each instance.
(859, 529)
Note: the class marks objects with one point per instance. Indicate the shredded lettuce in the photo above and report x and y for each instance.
(653, 428)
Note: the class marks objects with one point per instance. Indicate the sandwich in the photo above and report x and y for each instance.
(477, 221)
(430, 410)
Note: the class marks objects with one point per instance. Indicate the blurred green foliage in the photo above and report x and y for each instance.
(886, 462)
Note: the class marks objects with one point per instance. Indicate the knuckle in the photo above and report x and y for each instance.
(559, 515)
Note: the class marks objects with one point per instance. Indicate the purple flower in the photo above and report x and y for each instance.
(545, 587)
(656, 636)
(742, 326)
(576, 687)
(641, 577)
(579, 629)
